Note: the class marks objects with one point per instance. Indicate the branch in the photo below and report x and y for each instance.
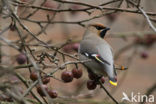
(108, 93)
(148, 19)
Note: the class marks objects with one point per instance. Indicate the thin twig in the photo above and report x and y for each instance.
(148, 19)
(102, 86)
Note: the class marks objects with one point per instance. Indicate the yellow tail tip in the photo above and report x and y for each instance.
(113, 83)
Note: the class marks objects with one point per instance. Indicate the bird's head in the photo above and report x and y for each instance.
(98, 28)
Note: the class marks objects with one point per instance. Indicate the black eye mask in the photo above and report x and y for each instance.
(99, 28)
(103, 32)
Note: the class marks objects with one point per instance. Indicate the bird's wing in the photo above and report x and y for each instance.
(105, 52)
(96, 57)
(89, 49)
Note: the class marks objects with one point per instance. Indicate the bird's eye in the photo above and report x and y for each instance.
(99, 28)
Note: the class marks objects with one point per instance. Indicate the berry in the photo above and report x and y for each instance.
(150, 39)
(21, 58)
(67, 76)
(52, 93)
(33, 76)
(75, 46)
(91, 85)
(77, 73)
(147, 40)
(92, 76)
(144, 55)
(102, 80)
(40, 91)
(46, 80)
(68, 48)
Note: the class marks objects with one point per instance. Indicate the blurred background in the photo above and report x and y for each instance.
(131, 37)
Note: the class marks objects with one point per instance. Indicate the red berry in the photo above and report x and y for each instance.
(46, 80)
(77, 73)
(144, 55)
(52, 93)
(40, 91)
(33, 76)
(91, 85)
(67, 76)
(75, 46)
(147, 40)
(150, 39)
(92, 76)
(21, 58)
(102, 80)
(68, 48)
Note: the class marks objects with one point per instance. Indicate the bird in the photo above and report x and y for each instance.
(93, 47)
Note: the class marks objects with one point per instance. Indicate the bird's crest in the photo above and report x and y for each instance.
(98, 26)
(101, 29)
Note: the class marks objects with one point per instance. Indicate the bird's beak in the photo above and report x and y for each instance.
(113, 83)
(107, 28)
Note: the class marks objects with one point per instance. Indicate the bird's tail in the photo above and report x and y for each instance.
(111, 72)
(113, 81)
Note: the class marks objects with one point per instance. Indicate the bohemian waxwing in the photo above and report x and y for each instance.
(95, 48)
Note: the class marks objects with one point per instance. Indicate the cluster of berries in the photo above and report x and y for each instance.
(93, 82)
(146, 40)
(67, 76)
(41, 88)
